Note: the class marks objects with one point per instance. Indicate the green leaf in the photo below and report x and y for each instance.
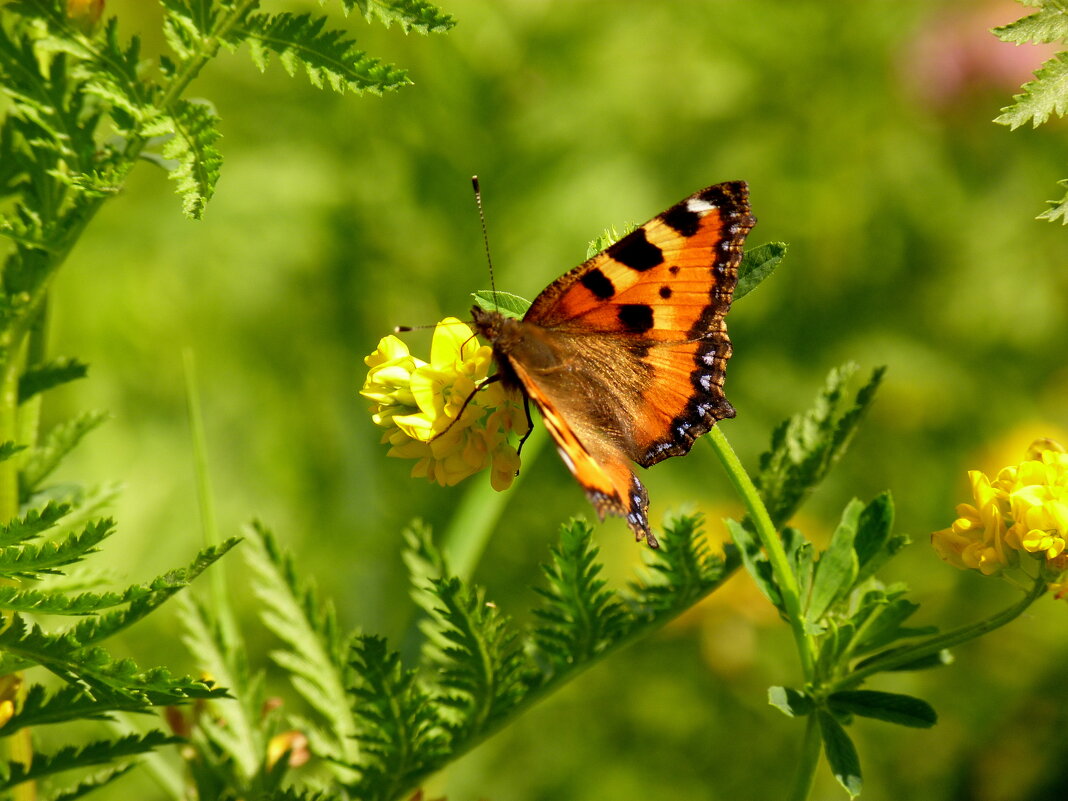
(837, 568)
(1047, 26)
(401, 735)
(757, 265)
(939, 659)
(581, 618)
(190, 132)
(873, 543)
(504, 302)
(805, 447)
(327, 57)
(607, 239)
(31, 560)
(315, 653)
(683, 569)
(60, 441)
(51, 374)
(756, 563)
(882, 622)
(890, 707)
(841, 753)
(792, 703)
(100, 752)
(1058, 208)
(32, 524)
(1046, 95)
(416, 15)
(65, 704)
(88, 785)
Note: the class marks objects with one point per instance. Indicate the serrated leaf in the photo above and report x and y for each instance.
(32, 524)
(903, 710)
(504, 302)
(51, 374)
(32, 560)
(190, 132)
(1048, 25)
(792, 703)
(326, 56)
(682, 570)
(416, 15)
(1046, 95)
(841, 753)
(837, 567)
(757, 266)
(607, 239)
(100, 752)
(1058, 208)
(92, 783)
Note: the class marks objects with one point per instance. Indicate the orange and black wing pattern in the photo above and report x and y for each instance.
(661, 293)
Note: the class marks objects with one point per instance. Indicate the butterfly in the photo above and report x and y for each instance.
(625, 356)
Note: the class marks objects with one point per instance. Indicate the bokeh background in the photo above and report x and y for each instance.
(865, 133)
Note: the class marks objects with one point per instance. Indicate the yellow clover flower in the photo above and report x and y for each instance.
(419, 404)
(1021, 513)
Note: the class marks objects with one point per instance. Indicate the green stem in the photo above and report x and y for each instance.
(769, 538)
(811, 748)
(940, 642)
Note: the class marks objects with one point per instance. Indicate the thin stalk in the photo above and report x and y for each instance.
(769, 538)
(940, 642)
(811, 747)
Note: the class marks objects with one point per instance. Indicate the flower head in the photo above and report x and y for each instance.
(436, 413)
(1022, 513)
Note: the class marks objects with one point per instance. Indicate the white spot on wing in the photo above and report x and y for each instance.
(696, 205)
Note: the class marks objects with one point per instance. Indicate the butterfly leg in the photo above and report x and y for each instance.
(493, 379)
(530, 427)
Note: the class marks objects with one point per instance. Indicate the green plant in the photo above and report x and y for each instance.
(83, 107)
(1047, 94)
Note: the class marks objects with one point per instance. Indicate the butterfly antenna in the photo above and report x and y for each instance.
(485, 235)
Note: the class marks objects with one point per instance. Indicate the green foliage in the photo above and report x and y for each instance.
(1047, 94)
(757, 265)
(477, 670)
(43, 377)
(504, 302)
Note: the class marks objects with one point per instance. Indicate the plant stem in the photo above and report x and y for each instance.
(940, 642)
(769, 538)
(811, 747)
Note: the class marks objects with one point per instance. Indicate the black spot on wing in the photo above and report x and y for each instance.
(636, 252)
(682, 219)
(665, 292)
(599, 284)
(637, 318)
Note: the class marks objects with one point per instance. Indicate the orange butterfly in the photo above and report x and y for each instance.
(625, 355)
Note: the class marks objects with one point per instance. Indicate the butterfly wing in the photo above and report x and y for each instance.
(656, 302)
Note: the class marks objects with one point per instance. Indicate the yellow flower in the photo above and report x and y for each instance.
(1023, 512)
(420, 403)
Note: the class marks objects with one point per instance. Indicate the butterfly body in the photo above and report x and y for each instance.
(625, 355)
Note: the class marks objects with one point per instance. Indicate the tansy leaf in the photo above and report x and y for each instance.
(890, 707)
(190, 132)
(841, 753)
(1058, 208)
(409, 14)
(1050, 24)
(1047, 94)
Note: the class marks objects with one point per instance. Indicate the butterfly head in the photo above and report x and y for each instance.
(494, 327)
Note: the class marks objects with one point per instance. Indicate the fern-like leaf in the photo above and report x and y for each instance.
(416, 15)
(581, 617)
(682, 571)
(32, 524)
(88, 785)
(100, 752)
(190, 131)
(1048, 25)
(1058, 208)
(327, 57)
(27, 561)
(315, 654)
(401, 735)
(1046, 95)
(805, 447)
(480, 666)
(68, 703)
(51, 374)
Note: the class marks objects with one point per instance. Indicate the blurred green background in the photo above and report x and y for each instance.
(865, 133)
